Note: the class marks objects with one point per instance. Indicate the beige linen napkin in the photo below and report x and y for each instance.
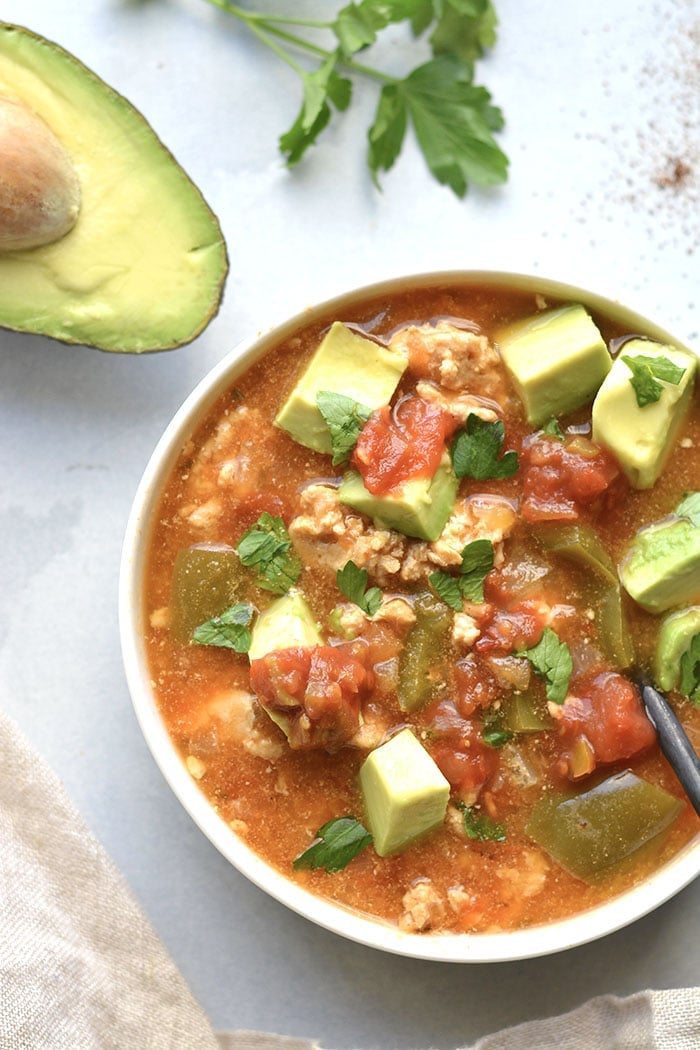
(82, 969)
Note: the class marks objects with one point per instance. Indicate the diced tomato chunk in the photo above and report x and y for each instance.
(518, 627)
(475, 686)
(605, 713)
(562, 481)
(397, 446)
(316, 691)
(461, 755)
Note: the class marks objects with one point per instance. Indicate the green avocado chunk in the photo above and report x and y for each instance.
(405, 793)
(676, 634)
(206, 581)
(557, 360)
(641, 437)
(286, 624)
(346, 363)
(420, 508)
(143, 265)
(662, 565)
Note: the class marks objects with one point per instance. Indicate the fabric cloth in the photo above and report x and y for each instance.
(82, 969)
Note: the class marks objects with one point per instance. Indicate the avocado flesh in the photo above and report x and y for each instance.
(675, 638)
(144, 265)
(662, 566)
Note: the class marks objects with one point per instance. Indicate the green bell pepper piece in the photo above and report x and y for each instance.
(206, 581)
(421, 664)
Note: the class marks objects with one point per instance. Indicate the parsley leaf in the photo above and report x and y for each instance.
(496, 737)
(475, 451)
(336, 844)
(690, 671)
(453, 120)
(267, 548)
(551, 659)
(480, 826)
(352, 582)
(477, 562)
(465, 28)
(689, 507)
(553, 430)
(645, 373)
(357, 25)
(229, 630)
(345, 419)
(321, 86)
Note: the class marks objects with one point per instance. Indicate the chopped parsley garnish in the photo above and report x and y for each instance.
(480, 826)
(477, 562)
(229, 630)
(476, 451)
(690, 671)
(336, 844)
(496, 737)
(345, 419)
(551, 659)
(646, 371)
(267, 548)
(689, 507)
(352, 582)
(453, 118)
(553, 430)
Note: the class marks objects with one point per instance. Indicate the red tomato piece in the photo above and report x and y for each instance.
(316, 691)
(475, 686)
(562, 481)
(512, 629)
(605, 714)
(461, 755)
(398, 445)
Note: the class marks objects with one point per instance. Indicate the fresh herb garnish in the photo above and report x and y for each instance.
(690, 671)
(480, 826)
(229, 630)
(477, 562)
(553, 430)
(689, 507)
(551, 659)
(475, 451)
(267, 548)
(645, 373)
(336, 844)
(453, 118)
(345, 419)
(352, 582)
(496, 737)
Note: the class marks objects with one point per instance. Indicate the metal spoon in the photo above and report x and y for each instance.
(673, 740)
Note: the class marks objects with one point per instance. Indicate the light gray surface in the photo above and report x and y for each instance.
(601, 99)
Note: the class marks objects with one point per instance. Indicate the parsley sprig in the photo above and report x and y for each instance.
(453, 118)
(477, 562)
(551, 659)
(336, 844)
(267, 548)
(344, 418)
(229, 630)
(690, 671)
(476, 450)
(352, 582)
(646, 371)
(480, 826)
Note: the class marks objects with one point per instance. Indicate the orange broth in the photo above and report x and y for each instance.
(277, 798)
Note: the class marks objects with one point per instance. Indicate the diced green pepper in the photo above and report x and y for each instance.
(421, 664)
(581, 544)
(524, 713)
(591, 832)
(205, 583)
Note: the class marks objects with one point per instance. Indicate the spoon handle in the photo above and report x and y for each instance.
(674, 742)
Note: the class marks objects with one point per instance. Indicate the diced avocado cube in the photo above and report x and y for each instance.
(420, 508)
(662, 565)
(206, 579)
(641, 437)
(346, 363)
(404, 791)
(676, 634)
(286, 624)
(557, 360)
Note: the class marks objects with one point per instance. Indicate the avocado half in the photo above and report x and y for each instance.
(144, 265)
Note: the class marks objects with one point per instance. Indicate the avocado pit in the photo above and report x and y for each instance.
(39, 188)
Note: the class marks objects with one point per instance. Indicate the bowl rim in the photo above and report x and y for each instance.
(504, 946)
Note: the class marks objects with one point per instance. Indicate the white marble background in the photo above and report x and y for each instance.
(602, 99)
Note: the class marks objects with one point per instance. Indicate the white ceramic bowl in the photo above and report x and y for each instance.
(493, 947)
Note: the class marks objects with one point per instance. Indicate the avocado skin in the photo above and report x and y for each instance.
(662, 566)
(675, 636)
(145, 272)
